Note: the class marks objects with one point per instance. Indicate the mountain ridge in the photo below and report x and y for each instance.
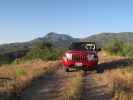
(103, 38)
(63, 40)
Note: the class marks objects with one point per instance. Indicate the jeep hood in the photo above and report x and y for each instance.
(81, 52)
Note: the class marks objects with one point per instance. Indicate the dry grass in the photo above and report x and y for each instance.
(119, 81)
(106, 57)
(16, 77)
(73, 87)
(123, 84)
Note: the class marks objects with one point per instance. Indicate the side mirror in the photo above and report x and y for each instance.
(99, 49)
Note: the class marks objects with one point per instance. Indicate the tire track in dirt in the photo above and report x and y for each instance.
(49, 87)
(91, 90)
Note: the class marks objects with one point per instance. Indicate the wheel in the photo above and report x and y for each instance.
(85, 70)
(67, 69)
(99, 69)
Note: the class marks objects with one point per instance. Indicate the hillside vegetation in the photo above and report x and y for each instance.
(119, 47)
(58, 41)
(44, 51)
(41, 50)
(62, 40)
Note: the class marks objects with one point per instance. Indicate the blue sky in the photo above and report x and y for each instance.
(22, 20)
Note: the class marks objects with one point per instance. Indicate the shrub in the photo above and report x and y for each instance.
(4, 59)
(128, 50)
(118, 47)
(44, 51)
(114, 46)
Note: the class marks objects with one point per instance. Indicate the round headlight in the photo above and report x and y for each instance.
(69, 56)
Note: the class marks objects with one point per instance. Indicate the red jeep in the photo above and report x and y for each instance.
(81, 55)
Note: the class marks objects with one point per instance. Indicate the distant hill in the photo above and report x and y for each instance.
(103, 38)
(58, 40)
(62, 40)
(12, 47)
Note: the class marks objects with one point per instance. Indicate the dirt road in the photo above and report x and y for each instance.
(50, 87)
(94, 91)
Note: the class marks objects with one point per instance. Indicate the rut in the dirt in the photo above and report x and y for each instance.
(49, 87)
(93, 91)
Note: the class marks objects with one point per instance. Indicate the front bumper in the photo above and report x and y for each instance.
(86, 64)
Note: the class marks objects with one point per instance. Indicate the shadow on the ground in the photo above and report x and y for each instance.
(121, 63)
(116, 64)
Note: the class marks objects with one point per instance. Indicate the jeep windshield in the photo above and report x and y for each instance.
(88, 46)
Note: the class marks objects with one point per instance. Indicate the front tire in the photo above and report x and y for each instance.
(67, 70)
(85, 69)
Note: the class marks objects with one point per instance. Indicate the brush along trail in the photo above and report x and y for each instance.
(53, 85)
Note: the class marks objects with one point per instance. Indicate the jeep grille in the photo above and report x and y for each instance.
(79, 58)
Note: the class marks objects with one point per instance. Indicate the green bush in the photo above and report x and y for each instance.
(44, 51)
(128, 50)
(114, 46)
(118, 47)
(4, 59)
